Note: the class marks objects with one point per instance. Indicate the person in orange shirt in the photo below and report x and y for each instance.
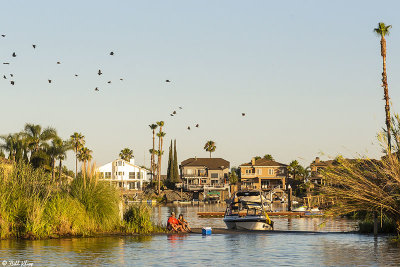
(173, 224)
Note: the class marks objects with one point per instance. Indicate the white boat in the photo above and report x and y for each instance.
(246, 212)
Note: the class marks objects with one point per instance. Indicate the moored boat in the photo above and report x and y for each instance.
(245, 211)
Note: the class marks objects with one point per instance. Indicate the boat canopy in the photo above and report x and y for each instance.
(248, 193)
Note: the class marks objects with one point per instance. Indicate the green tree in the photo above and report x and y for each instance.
(153, 128)
(176, 178)
(77, 141)
(233, 176)
(37, 138)
(160, 136)
(210, 147)
(294, 168)
(257, 157)
(170, 165)
(382, 30)
(268, 157)
(84, 155)
(126, 154)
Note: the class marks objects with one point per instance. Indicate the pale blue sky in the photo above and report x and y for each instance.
(306, 73)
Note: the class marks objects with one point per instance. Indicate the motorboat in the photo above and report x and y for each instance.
(246, 211)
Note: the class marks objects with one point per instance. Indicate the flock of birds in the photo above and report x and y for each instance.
(14, 54)
(12, 82)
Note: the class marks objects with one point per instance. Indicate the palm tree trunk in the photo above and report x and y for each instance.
(152, 156)
(210, 154)
(386, 91)
(84, 174)
(53, 170)
(76, 162)
(59, 171)
(159, 165)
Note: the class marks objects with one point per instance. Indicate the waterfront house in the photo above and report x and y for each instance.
(123, 174)
(316, 167)
(263, 174)
(204, 173)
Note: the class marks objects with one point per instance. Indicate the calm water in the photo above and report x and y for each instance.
(253, 249)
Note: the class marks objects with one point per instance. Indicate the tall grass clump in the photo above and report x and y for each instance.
(137, 219)
(365, 185)
(33, 205)
(100, 199)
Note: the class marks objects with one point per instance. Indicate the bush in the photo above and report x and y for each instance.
(137, 219)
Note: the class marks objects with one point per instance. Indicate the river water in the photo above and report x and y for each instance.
(330, 244)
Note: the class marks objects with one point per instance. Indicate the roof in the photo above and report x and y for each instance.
(265, 163)
(210, 163)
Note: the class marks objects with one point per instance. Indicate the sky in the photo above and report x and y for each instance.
(306, 73)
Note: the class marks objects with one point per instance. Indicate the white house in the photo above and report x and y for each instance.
(124, 174)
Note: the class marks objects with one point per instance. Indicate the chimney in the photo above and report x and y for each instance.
(317, 160)
(253, 161)
(132, 161)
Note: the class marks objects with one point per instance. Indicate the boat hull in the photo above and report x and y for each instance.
(246, 223)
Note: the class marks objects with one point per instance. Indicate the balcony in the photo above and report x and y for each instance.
(202, 187)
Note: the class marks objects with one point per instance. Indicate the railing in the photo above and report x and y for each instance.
(195, 175)
(194, 187)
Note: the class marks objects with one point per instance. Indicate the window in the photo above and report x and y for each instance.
(214, 175)
(259, 171)
(140, 175)
(107, 175)
(189, 171)
(271, 171)
(120, 163)
(132, 175)
(203, 181)
(248, 171)
(120, 173)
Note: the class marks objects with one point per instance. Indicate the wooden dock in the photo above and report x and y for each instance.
(220, 214)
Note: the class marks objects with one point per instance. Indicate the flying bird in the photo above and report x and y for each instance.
(174, 112)
(171, 115)
(12, 75)
(197, 125)
(188, 128)
(243, 114)
(4, 76)
(121, 79)
(96, 89)
(34, 46)
(58, 62)
(111, 53)
(6, 63)
(109, 82)
(12, 82)
(13, 54)
(49, 81)
(180, 107)
(3, 35)
(99, 72)
(167, 81)
(76, 75)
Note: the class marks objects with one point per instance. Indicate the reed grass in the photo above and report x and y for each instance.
(137, 219)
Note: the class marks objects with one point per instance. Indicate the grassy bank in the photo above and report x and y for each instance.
(33, 205)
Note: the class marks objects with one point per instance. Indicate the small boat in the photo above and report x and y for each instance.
(245, 211)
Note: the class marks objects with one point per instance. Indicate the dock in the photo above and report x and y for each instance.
(220, 214)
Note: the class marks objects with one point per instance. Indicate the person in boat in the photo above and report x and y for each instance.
(184, 223)
(173, 224)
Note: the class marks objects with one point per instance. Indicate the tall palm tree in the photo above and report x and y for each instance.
(84, 155)
(16, 146)
(77, 142)
(53, 151)
(382, 30)
(37, 138)
(126, 154)
(160, 153)
(153, 127)
(62, 155)
(294, 168)
(210, 147)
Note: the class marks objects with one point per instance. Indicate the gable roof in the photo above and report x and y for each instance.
(210, 163)
(265, 163)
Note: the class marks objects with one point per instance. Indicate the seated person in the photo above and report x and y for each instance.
(184, 223)
(173, 224)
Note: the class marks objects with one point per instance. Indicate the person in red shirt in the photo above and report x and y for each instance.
(173, 224)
